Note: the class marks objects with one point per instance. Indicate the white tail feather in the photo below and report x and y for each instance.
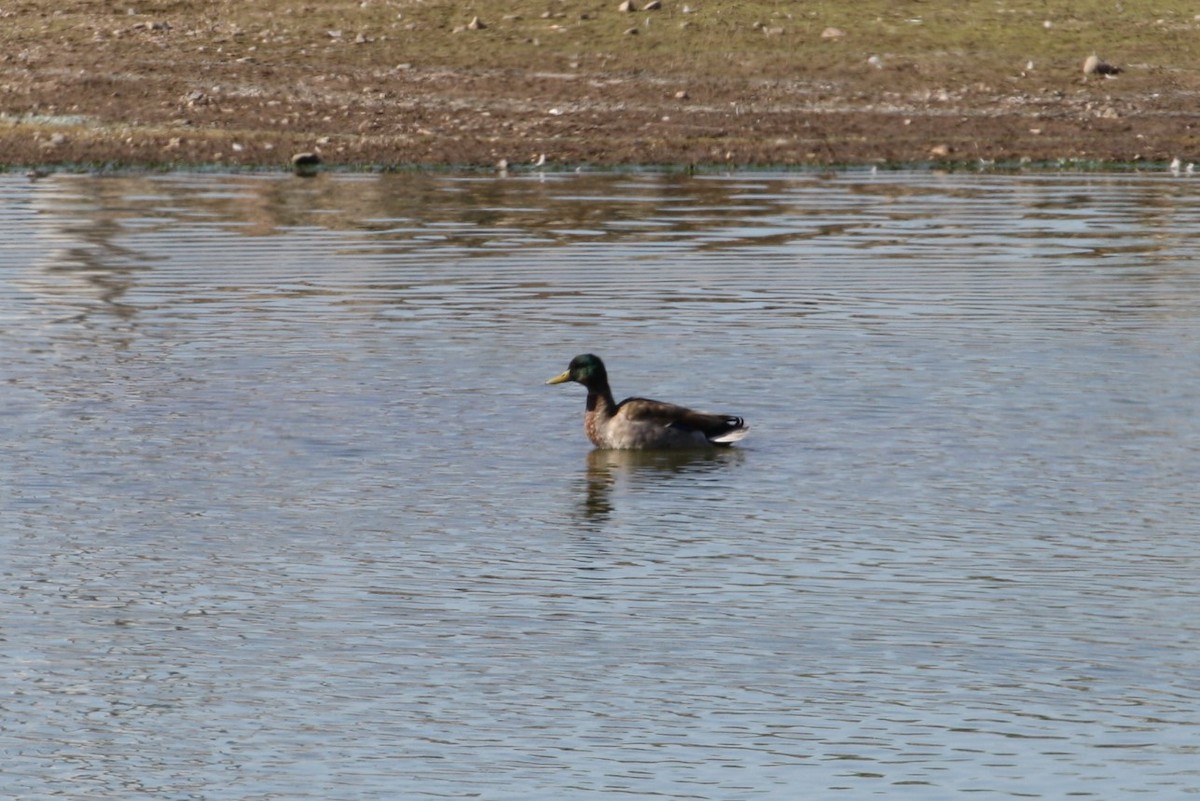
(730, 436)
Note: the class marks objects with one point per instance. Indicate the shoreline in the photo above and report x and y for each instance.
(400, 84)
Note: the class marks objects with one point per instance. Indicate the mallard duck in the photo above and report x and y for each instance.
(642, 424)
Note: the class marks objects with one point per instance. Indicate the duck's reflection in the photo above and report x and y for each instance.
(606, 469)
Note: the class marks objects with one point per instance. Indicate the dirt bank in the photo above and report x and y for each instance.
(408, 82)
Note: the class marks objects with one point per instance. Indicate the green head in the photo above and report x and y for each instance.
(586, 369)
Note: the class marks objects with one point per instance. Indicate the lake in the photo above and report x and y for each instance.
(288, 511)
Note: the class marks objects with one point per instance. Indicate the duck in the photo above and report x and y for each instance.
(641, 423)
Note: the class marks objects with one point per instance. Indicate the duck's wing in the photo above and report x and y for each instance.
(718, 428)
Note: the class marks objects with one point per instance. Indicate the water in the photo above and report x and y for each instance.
(288, 512)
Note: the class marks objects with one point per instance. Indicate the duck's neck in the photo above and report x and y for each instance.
(600, 409)
(600, 400)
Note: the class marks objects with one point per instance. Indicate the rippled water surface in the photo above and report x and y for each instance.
(288, 512)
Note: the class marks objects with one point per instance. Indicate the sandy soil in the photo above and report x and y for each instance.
(403, 83)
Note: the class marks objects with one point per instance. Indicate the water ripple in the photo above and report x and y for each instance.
(288, 512)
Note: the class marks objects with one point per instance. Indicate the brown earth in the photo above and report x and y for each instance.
(383, 83)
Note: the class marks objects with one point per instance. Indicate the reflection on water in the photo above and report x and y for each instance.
(287, 511)
(649, 472)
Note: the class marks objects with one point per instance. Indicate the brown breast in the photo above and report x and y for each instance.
(591, 425)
